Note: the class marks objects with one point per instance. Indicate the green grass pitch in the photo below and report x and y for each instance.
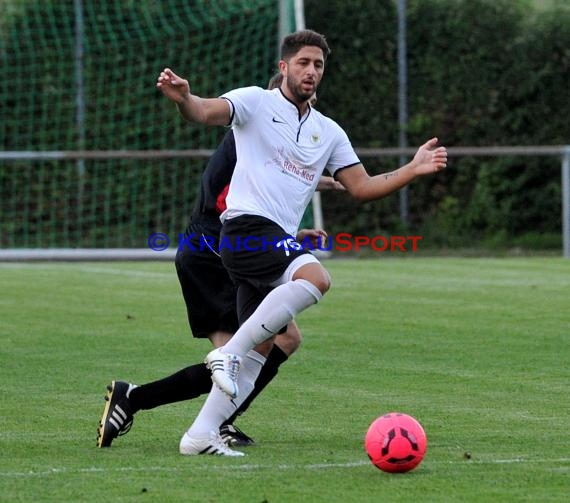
(476, 349)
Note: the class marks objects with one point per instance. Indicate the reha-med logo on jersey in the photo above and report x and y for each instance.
(304, 173)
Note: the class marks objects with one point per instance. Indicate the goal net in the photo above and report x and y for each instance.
(79, 77)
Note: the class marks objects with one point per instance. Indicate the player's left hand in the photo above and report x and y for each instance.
(429, 158)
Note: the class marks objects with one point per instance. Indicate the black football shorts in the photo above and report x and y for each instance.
(209, 293)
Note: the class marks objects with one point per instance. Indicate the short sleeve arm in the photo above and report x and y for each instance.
(244, 103)
(343, 154)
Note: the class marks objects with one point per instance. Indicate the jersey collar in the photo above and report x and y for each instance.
(301, 118)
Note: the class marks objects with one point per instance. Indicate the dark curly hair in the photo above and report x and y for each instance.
(294, 42)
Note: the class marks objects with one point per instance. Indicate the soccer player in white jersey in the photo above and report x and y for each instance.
(283, 146)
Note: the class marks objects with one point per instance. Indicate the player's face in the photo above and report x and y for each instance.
(303, 73)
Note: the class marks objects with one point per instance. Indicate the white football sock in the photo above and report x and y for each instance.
(218, 406)
(275, 311)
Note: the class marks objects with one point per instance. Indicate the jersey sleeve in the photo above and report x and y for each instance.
(343, 154)
(244, 101)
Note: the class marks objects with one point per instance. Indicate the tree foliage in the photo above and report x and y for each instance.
(480, 72)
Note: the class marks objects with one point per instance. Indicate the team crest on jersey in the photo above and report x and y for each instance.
(315, 138)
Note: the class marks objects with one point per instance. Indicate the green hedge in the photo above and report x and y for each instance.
(480, 72)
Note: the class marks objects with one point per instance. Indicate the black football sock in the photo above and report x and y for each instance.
(269, 370)
(185, 384)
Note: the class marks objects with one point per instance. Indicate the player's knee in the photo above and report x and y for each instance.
(315, 274)
(325, 283)
(322, 281)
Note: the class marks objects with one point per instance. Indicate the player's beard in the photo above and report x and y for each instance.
(296, 89)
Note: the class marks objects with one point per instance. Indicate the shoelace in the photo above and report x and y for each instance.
(233, 368)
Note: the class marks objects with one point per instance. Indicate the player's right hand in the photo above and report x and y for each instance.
(172, 86)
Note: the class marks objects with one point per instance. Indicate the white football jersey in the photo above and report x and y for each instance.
(280, 156)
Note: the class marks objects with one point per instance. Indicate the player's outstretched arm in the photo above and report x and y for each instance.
(428, 159)
(209, 111)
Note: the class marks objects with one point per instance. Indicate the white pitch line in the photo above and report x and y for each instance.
(92, 269)
(134, 273)
(253, 467)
